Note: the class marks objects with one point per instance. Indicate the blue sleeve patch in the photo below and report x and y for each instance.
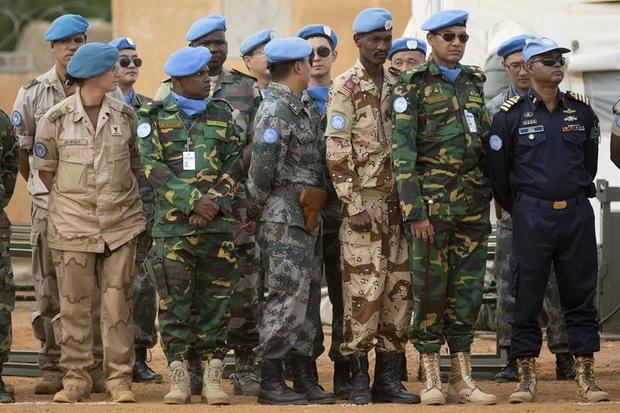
(270, 135)
(16, 119)
(338, 121)
(618, 121)
(40, 150)
(495, 142)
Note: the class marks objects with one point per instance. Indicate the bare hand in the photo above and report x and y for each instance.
(206, 208)
(423, 229)
(361, 222)
(249, 227)
(197, 221)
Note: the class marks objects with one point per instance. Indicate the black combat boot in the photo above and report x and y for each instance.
(5, 396)
(306, 382)
(403, 373)
(194, 368)
(360, 381)
(342, 380)
(386, 387)
(508, 372)
(564, 366)
(142, 373)
(273, 390)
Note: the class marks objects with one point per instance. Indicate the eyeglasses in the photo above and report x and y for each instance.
(125, 61)
(450, 36)
(551, 60)
(516, 66)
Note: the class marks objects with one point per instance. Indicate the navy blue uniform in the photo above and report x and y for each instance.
(542, 165)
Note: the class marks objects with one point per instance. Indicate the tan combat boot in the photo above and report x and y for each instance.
(431, 394)
(121, 393)
(462, 388)
(212, 389)
(586, 386)
(72, 393)
(49, 383)
(526, 389)
(179, 384)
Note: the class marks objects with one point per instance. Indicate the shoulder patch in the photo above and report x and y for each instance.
(507, 105)
(32, 83)
(241, 74)
(338, 121)
(578, 97)
(270, 135)
(223, 102)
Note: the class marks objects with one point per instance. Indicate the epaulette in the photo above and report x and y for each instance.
(508, 104)
(578, 97)
(238, 73)
(394, 71)
(167, 80)
(149, 107)
(31, 84)
(476, 71)
(56, 113)
(408, 74)
(223, 101)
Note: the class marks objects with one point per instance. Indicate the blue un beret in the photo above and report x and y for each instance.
(65, 26)
(91, 60)
(123, 43)
(206, 25)
(445, 18)
(253, 41)
(371, 19)
(187, 61)
(540, 45)
(513, 45)
(322, 30)
(407, 43)
(287, 49)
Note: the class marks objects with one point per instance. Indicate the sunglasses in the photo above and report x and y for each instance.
(450, 36)
(552, 60)
(322, 51)
(125, 61)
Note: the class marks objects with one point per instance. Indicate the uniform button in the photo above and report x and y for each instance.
(531, 137)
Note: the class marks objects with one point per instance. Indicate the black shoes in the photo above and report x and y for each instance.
(386, 387)
(273, 390)
(142, 373)
(305, 381)
(564, 369)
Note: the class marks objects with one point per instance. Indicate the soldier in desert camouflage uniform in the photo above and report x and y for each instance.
(440, 122)
(373, 245)
(615, 135)
(8, 174)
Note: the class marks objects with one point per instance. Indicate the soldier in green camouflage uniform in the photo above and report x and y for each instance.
(243, 94)
(192, 157)
(440, 124)
(8, 174)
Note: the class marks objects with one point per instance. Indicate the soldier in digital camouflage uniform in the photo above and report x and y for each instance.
(65, 34)
(192, 157)
(243, 94)
(373, 246)
(144, 293)
(440, 124)
(285, 161)
(512, 59)
(8, 174)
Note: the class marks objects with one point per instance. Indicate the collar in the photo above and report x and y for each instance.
(366, 84)
(513, 91)
(433, 67)
(79, 113)
(534, 98)
(51, 79)
(283, 92)
(130, 99)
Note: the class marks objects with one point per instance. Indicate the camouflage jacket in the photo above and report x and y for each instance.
(359, 136)
(440, 129)
(285, 157)
(164, 134)
(8, 160)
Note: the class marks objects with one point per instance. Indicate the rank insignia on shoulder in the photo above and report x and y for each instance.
(509, 103)
(578, 97)
(270, 135)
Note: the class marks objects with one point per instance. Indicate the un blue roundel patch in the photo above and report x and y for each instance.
(338, 121)
(40, 150)
(618, 121)
(495, 142)
(16, 119)
(270, 135)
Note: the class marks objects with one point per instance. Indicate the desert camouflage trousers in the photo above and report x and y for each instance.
(376, 282)
(82, 276)
(448, 277)
(7, 288)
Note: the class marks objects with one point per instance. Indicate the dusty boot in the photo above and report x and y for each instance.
(194, 368)
(386, 387)
(142, 373)
(212, 389)
(245, 381)
(49, 383)
(98, 380)
(342, 380)
(586, 386)
(121, 393)
(305, 382)
(564, 366)
(462, 388)
(5, 395)
(526, 389)
(360, 380)
(508, 372)
(179, 384)
(431, 394)
(273, 390)
(71, 393)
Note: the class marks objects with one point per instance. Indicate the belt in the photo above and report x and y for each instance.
(561, 204)
(372, 195)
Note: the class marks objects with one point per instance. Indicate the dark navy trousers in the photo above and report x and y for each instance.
(565, 237)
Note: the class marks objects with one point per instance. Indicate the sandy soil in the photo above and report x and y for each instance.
(554, 396)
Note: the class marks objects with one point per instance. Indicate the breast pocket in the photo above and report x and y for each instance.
(438, 114)
(119, 165)
(73, 165)
(209, 152)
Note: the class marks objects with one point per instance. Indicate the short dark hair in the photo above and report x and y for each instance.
(280, 71)
(70, 80)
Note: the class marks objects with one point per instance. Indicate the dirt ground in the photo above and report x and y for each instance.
(553, 396)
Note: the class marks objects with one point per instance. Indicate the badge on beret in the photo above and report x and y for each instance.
(388, 25)
(40, 150)
(16, 118)
(618, 121)
(338, 121)
(495, 142)
(144, 130)
(270, 135)
(130, 41)
(400, 104)
(412, 44)
(327, 30)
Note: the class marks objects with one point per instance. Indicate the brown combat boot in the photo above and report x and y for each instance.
(526, 388)
(71, 393)
(431, 394)
(49, 383)
(462, 388)
(121, 393)
(586, 386)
